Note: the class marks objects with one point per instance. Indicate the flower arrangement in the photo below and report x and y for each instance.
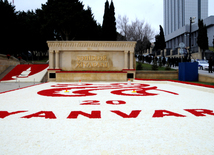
(8, 56)
(19, 58)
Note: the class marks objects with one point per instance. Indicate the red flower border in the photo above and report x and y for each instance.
(183, 82)
(189, 83)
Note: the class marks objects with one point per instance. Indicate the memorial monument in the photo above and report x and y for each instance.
(91, 60)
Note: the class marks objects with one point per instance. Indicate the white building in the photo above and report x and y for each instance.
(177, 15)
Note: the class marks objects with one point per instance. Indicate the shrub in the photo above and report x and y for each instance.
(139, 66)
(167, 66)
(155, 66)
(160, 62)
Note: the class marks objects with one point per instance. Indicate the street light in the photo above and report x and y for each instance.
(192, 20)
(186, 35)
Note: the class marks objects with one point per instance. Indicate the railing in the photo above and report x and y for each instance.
(175, 52)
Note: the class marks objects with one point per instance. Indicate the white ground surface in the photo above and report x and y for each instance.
(111, 134)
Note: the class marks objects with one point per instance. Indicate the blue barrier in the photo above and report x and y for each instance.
(188, 71)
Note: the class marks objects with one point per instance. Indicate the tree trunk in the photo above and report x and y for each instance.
(67, 37)
(202, 54)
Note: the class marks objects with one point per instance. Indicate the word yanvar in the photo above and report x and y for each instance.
(92, 65)
(92, 58)
(96, 114)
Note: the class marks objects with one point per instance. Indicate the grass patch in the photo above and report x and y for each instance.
(205, 83)
(197, 82)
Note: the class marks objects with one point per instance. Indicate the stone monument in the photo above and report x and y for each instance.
(91, 60)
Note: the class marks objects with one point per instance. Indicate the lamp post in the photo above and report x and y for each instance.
(190, 32)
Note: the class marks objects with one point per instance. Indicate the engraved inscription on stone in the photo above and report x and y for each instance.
(92, 61)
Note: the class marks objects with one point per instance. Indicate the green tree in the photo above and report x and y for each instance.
(160, 43)
(30, 35)
(202, 39)
(69, 20)
(90, 30)
(160, 62)
(109, 24)
(157, 42)
(113, 29)
(8, 28)
(106, 22)
(154, 65)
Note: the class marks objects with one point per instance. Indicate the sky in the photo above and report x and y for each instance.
(151, 11)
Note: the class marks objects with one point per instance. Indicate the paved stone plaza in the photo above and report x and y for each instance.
(144, 117)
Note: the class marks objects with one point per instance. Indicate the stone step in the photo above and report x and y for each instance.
(5, 72)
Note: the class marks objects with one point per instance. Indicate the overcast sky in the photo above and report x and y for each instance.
(149, 10)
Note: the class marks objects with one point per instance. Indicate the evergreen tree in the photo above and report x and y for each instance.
(8, 27)
(113, 30)
(160, 62)
(202, 39)
(109, 24)
(30, 35)
(154, 65)
(157, 42)
(57, 20)
(106, 22)
(69, 20)
(160, 43)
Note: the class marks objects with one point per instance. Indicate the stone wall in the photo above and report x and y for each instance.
(5, 63)
(205, 78)
(172, 75)
(91, 61)
(91, 76)
(96, 56)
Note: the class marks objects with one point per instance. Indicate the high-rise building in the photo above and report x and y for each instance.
(178, 12)
(177, 15)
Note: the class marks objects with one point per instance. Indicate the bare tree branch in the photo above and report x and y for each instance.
(135, 31)
(122, 25)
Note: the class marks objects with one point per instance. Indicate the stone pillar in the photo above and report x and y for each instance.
(150, 51)
(170, 53)
(165, 52)
(57, 59)
(147, 51)
(178, 52)
(125, 59)
(131, 59)
(51, 59)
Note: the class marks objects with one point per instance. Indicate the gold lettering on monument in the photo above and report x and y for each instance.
(92, 62)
